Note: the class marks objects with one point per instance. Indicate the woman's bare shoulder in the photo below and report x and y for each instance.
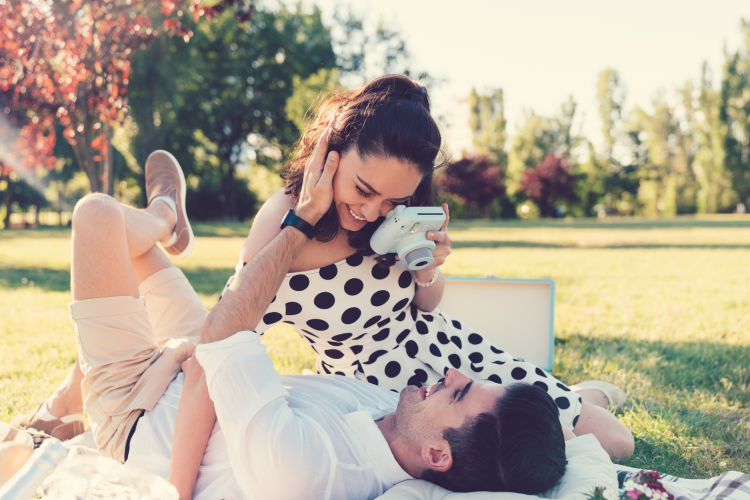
(266, 224)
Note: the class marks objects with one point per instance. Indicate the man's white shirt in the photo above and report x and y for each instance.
(280, 437)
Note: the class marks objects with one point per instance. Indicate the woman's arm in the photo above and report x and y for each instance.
(428, 298)
(266, 225)
(192, 429)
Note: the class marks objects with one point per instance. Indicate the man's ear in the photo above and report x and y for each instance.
(437, 455)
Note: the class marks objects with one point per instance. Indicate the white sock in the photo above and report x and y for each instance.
(169, 201)
(45, 414)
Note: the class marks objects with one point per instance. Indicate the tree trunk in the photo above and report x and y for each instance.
(108, 164)
(59, 205)
(229, 192)
(8, 198)
(87, 164)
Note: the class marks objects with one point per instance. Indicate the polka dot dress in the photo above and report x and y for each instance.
(358, 317)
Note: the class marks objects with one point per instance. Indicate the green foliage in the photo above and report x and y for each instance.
(309, 93)
(734, 114)
(229, 83)
(487, 123)
(540, 137)
(611, 96)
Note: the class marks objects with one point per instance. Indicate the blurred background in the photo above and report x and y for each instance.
(556, 110)
(605, 145)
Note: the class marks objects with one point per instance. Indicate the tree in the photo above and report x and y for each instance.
(715, 194)
(362, 54)
(70, 60)
(611, 96)
(239, 81)
(474, 179)
(487, 123)
(540, 137)
(308, 93)
(609, 178)
(549, 183)
(734, 114)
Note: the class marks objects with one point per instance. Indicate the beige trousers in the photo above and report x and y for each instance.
(131, 349)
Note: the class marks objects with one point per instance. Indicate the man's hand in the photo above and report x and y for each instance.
(317, 184)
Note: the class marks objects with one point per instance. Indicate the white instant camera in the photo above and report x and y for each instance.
(404, 231)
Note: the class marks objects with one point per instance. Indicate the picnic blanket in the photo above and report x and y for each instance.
(731, 485)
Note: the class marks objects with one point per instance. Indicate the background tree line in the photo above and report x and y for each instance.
(688, 154)
(231, 102)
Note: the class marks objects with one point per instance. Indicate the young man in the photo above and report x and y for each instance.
(137, 320)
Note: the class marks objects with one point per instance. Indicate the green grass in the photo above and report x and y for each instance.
(658, 306)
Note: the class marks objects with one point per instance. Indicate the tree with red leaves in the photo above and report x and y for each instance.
(548, 183)
(69, 60)
(474, 179)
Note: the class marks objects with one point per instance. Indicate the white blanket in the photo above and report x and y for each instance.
(588, 466)
(731, 485)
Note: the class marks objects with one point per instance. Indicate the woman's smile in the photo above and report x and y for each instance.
(355, 217)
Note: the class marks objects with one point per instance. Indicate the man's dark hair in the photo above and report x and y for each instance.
(518, 447)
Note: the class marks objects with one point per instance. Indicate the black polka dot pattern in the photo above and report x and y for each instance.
(379, 298)
(272, 318)
(299, 282)
(405, 279)
(354, 261)
(372, 321)
(392, 369)
(353, 286)
(324, 300)
(329, 272)
(379, 272)
(351, 315)
(400, 305)
(293, 308)
(359, 318)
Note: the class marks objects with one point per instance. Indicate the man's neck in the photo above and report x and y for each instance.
(397, 446)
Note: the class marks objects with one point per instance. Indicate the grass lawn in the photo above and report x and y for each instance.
(659, 307)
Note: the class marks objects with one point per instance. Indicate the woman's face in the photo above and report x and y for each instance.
(367, 188)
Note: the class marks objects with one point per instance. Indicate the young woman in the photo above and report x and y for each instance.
(368, 316)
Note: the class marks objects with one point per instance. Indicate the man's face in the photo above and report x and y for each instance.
(424, 413)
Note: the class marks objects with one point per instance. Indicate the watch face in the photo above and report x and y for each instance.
(287, 214)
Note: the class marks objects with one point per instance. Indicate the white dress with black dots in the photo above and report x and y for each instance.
(359, 318)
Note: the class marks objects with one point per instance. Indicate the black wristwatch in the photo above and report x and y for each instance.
(298, 222)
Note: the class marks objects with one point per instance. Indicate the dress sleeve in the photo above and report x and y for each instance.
(275, 451)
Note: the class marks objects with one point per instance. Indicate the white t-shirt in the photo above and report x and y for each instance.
(280, 437)
(151, 449)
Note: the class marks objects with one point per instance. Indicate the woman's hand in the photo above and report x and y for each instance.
(189, 365)
(442, 250)
(317, 185)
(427, 298)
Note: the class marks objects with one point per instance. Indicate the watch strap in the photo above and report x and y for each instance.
(290, 219)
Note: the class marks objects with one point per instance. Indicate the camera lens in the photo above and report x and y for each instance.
(420, 264)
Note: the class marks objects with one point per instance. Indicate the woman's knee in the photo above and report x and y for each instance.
(624, 444)
(96, 209)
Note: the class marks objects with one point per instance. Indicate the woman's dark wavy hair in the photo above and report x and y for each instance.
(387, 118)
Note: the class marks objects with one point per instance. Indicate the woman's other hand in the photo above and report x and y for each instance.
(317, 186)
(443, 244)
